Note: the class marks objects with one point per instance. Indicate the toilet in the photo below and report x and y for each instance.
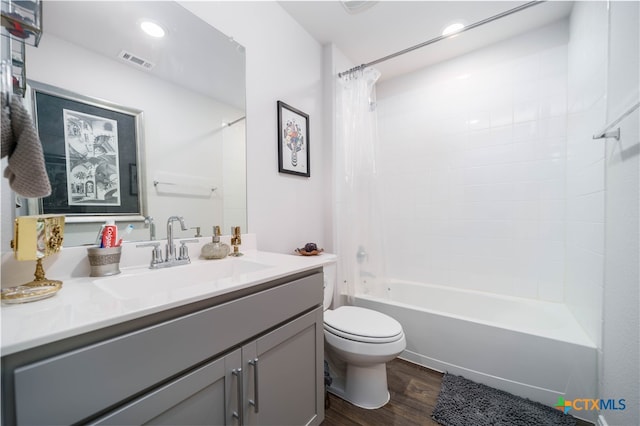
(358, 344)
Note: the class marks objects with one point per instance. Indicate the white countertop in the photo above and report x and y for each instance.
(86, 304)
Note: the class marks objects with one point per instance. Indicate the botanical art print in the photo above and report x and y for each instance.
(293, 140)
(91, 151)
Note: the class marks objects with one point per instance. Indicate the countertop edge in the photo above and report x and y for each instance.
(16, 317)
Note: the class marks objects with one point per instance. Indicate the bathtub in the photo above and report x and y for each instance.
(530, 348)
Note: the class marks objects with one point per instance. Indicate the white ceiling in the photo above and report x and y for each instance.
(107, 27)
(390, 26)
(193, 54)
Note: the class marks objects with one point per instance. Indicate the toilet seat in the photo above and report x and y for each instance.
(362, 325)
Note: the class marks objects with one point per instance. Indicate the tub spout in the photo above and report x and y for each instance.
(361, 255)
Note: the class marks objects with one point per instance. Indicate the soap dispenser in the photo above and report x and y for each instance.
(215, 249)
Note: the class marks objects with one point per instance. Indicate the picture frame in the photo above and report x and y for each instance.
(133, 179)
(293, 141)
(92, 150)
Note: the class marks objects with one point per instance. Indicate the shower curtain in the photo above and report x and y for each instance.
(358, 227)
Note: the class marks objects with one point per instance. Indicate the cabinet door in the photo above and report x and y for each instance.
(284, 374)
(208, 395)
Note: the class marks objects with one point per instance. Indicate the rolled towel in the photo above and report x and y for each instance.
(26, 170)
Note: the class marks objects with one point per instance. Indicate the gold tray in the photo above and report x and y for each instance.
(29, 292)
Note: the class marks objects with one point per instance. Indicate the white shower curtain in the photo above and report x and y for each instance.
(358, 227)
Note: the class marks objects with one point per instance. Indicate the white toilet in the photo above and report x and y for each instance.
(358, 344)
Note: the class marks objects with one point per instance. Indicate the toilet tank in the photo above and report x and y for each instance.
(330, 277)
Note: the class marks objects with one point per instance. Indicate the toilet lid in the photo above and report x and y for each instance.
(366, 325)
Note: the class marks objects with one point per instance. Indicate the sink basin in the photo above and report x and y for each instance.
(181, 280)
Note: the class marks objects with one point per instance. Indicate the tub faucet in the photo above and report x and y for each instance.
(361, 255)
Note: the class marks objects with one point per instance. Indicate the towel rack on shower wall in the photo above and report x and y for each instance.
(608, 133)
(184, 185)
(205, 188)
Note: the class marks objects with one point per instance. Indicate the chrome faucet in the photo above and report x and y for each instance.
(171, 248)
(170, 258)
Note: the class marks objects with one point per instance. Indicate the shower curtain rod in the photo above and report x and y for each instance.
(442, 37)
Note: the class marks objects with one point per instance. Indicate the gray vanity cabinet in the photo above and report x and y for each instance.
(254, 358)
(283, 364)
(284, 370)
(205, 396)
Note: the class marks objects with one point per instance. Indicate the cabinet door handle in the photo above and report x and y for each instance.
(254, 402)
(239, 414)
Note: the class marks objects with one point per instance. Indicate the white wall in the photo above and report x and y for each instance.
(585, 165)
(473, 165)
(283, 63)
(620, 359)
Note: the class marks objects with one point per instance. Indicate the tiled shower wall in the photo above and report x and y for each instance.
(473, 167)
(587, 104)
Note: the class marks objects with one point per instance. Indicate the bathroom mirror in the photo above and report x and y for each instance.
(189, 86)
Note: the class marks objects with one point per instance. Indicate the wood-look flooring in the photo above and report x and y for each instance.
(414, 392)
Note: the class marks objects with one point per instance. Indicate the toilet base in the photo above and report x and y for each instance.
(364, 387)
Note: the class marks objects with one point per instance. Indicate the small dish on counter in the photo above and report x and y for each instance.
(29, 292)
(303, 252)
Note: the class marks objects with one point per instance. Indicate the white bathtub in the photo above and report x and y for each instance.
(530, 348)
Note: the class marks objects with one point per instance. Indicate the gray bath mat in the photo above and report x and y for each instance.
(463, 403)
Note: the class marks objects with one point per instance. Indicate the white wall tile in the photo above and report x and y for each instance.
(552, 189)
(501, 116)
(525, 111)
(485, 160)
(553, 127)
(524, 132)
(586, 107)
(551, 282)
(553, 105)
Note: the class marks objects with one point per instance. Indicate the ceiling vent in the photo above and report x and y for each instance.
(354, 7)
(136, 60)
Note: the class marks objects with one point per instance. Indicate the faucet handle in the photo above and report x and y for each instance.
(188, 241)
(184, 251)
(235, 235)
(236, 240)
(198, 234)
(152, 244)
(156, 254)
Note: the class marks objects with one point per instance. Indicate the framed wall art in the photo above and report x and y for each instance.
(91, 150)
(293, 141)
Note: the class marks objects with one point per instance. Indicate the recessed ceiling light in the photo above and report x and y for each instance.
(153, 29)
(354, 6)
(452, 29)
